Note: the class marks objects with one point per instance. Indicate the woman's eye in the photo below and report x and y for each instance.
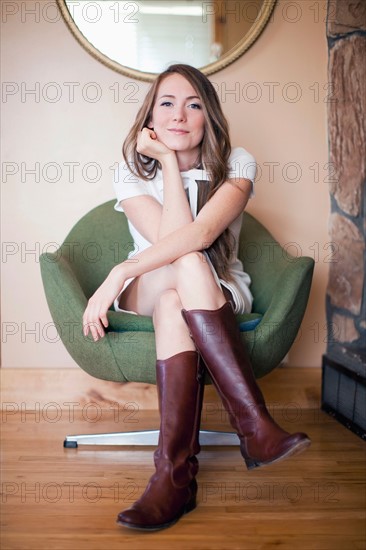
(166, 104)
(195, 106)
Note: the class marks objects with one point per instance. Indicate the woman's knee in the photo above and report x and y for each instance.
(167, 304)
(191, 263)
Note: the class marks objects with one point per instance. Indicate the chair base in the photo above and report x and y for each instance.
(146, 438)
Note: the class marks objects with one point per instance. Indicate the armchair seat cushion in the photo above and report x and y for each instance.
(125, 322)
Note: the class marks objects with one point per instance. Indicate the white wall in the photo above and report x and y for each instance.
(289, 59)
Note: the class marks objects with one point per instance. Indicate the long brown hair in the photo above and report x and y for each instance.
(215, 150)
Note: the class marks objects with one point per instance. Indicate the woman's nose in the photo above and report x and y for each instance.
(179, 114)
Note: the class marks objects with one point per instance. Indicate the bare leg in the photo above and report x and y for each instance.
(187, 283)
(171, 333)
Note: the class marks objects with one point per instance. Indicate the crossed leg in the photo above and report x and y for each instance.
(186, 283)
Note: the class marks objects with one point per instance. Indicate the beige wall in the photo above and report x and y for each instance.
(288, 60)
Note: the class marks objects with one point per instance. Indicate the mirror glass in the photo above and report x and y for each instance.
(141, 38)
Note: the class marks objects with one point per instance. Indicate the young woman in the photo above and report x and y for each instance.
(183, 190)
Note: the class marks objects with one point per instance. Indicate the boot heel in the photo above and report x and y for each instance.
(251, 463)
(191, 505)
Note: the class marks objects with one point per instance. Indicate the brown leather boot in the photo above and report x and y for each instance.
(171, 491)
(217, 338)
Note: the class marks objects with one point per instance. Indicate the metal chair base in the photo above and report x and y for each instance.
(146, 438)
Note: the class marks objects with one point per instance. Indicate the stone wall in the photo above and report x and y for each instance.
(346, 300)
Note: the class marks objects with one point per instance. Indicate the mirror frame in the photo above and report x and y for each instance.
(234, 53)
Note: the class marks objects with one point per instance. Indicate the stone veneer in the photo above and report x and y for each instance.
(346, 300)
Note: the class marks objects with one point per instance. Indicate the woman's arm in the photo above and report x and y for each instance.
(176, 211)
(217, 214)
(153, 220)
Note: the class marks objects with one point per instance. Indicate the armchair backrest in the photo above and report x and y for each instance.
(264, 260)
(96, 243)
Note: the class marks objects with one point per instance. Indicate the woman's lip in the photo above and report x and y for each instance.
(177, 131)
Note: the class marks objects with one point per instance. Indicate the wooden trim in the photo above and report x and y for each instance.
(65, 388)
(40, 387)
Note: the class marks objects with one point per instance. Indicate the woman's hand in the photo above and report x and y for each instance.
(149, 145)
(95, 316)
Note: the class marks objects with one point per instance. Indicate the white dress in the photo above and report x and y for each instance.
(241, 165)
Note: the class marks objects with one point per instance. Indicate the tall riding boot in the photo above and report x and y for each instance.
(171, 491)
(217, 338)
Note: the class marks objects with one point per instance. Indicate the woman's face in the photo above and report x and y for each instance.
(178, 119)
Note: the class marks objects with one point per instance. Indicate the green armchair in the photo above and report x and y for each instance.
(280, 287)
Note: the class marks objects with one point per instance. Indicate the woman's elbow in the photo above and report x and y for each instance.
(203, 237)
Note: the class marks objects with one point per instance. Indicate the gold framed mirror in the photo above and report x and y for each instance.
(139, 39)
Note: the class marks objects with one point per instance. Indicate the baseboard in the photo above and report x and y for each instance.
(65, 388)
(32, 389)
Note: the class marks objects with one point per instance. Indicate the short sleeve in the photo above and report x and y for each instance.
(127, 185)
(242, 164)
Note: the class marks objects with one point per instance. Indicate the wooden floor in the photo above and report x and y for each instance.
(56, 498)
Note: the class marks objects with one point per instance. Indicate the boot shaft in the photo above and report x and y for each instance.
(218, 340)
(180, 393)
